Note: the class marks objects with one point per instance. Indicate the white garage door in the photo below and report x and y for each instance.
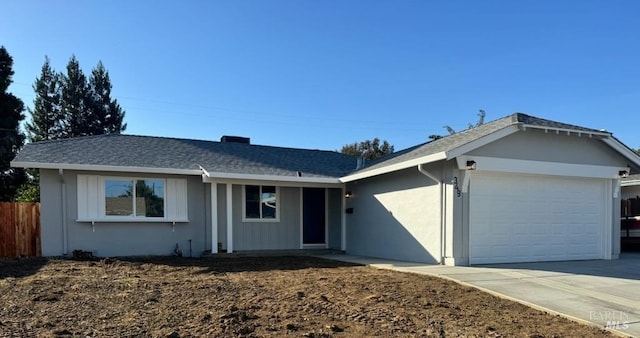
(522, 218)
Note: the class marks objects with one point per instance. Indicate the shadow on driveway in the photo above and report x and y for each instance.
(627, 267)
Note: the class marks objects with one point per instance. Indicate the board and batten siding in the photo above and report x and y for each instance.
(119, 238)
(91, 194)
(281, 235)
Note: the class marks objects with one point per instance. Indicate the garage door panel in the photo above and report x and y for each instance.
(525, 218)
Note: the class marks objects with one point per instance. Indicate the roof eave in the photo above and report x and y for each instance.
(224, 177)
(623, 150)
(568, 131)
(444, 155)
(109, 168)
(629, 183)
(394, 167)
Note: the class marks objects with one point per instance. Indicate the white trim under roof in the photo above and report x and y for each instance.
(395, 167)
(98, 167)
(297, 181)
(508, 165)
(484, 140)
(444, 155)
(568, 131)
(622, 149)
(629, 183)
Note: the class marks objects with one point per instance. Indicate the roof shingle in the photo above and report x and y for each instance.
(461, 138)
(160, 152)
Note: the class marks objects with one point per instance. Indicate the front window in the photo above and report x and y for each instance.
(148, 202)
(260, 202)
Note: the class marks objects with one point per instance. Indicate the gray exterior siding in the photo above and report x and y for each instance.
(222, 215)
(281, 235)
(459, 249)
(335, 218)
(536, 145)
(118, 239)
(159, 238)
(51, 233)
(396, 216)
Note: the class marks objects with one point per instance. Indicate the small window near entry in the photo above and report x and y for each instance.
(260, 202)
(148, 202)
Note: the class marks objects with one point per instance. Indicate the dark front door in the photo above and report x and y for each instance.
(313, 216)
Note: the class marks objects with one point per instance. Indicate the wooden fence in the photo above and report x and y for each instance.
(20, 229)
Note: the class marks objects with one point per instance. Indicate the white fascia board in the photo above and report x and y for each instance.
(395, 167)
(623, 150)
(566, 130)
(132, 220)
(221, 177)
(112, 168)
(507, 165)
(630, 183)
(504, 132)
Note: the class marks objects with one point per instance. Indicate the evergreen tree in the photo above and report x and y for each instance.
(105, 113)
(46, 115)
(76, 120)
(11, 137)
(67, 105)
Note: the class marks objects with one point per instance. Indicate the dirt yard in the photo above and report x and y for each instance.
(253, 297)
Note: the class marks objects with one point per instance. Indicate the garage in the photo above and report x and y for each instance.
(527, 218)
(518, 189)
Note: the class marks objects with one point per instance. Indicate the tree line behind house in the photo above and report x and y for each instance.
(67, 104)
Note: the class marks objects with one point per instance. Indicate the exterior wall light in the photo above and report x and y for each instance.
(623, 173)
(348, 194)
(471, 165)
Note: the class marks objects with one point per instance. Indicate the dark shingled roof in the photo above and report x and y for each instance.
(239, 158)
(459, 139)
(160, 152)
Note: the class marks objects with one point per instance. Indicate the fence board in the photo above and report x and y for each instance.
(20, 229)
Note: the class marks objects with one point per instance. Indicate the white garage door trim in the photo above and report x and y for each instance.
(512, 238)
(510, 165)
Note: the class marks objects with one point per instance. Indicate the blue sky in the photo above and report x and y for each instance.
(320, 74)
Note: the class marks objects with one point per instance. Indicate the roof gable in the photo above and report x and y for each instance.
(454, 145)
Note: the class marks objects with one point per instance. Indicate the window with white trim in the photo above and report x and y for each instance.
(131, 199)
(261, 203)
(134, 197)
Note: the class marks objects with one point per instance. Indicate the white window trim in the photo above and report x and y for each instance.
(92, 200)
(260, 220)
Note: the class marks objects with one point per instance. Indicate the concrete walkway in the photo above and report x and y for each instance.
(604, 293)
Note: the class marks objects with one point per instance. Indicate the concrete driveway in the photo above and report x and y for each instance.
(604, 293)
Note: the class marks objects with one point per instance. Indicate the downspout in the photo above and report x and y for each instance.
(64, 213)
(442, 211)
